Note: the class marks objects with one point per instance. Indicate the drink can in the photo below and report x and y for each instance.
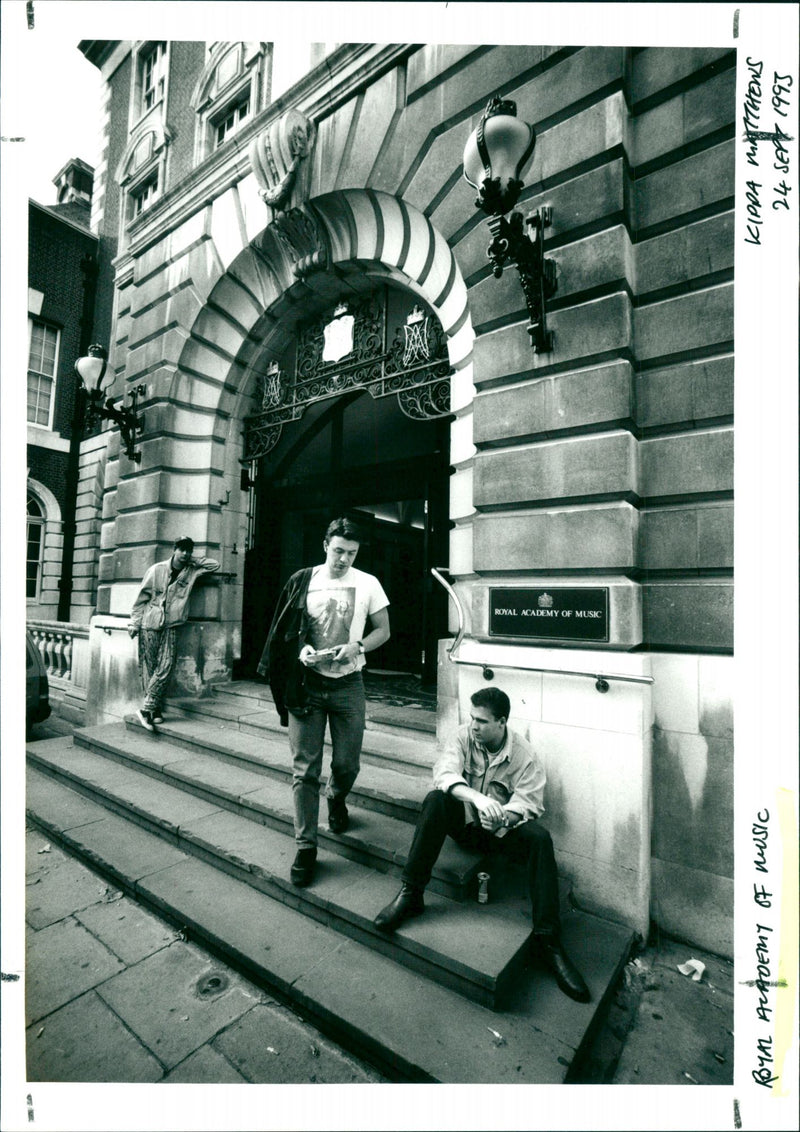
(483, 888)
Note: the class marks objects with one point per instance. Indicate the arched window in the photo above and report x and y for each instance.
(33, 569)
(232, 88)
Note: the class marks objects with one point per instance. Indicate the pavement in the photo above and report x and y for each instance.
(115, 994)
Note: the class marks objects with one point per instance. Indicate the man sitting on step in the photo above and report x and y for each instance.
(488, 790)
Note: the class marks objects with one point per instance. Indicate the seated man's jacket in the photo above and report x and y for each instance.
(280, 661)
(513, 776)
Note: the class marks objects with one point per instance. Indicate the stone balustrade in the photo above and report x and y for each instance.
(56, 642)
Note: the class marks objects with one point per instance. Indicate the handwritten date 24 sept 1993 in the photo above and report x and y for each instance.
(779, 96)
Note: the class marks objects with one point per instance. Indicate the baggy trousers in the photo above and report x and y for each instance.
(156, 661)
(340, 703)
(442, 814)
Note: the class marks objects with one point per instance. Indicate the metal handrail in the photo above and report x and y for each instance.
(600, 678)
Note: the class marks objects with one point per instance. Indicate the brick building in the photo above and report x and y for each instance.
(62, 259)
(253, 211)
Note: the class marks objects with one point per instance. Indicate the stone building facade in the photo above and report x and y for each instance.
(293, 269)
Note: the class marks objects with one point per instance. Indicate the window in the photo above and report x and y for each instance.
(42, 360)
(230, 92)
(152, 69)
(144, 195)
(142, 171)
(33, 568)
(232, 118)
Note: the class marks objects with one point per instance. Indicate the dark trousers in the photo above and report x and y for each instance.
(442, 814)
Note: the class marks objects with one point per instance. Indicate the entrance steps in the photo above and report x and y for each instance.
(196, 822)
(248, 706)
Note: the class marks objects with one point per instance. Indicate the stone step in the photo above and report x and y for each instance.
(375, 840)
(378, 787)
(408, 751)
(412, 1028)
(473, 949)
(380, 714)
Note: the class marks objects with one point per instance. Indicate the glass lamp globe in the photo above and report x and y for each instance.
(91, 369)
(497, 151)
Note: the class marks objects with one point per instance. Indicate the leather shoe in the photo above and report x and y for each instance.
(302, 871)
(551, 951)
(338, 817)
(406, 904)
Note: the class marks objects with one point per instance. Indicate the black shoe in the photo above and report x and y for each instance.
(406, 904)
(338, 817)
(157, 717)
(550, 951)
(146, 719)
(303, 867)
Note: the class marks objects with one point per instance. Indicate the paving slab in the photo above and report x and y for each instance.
(160, 1000)
(287, 950)
(40, 852)
(126, 928)
(58, 889)
(205, 1067)
(63, 961)
(85, 1041)
(694, 1019)
(269, 1045)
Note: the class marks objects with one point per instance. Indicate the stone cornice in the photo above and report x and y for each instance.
(105, 54)
(317, 95)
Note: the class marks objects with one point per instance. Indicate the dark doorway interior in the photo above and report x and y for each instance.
(362, 457)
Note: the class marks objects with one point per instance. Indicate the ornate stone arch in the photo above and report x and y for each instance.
(264, 289)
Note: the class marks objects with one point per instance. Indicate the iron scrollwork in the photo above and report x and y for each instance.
(415, 367)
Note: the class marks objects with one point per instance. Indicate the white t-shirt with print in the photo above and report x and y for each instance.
(338, 609)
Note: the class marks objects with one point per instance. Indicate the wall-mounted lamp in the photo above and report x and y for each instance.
(495, 154)
(91, 370)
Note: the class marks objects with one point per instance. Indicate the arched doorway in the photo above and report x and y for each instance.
(354, 419)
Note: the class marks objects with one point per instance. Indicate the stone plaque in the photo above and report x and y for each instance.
(558, 614)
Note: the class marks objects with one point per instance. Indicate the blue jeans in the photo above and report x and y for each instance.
(341, 704)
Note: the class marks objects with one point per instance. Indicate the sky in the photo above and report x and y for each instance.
(59, 128)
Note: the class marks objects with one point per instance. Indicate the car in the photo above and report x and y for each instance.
(37, 688)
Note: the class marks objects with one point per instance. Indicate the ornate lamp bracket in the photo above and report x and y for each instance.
(90, 409)
(524, 248)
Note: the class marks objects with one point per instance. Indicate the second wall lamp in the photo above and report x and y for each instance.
(496, 152)
(91, 371)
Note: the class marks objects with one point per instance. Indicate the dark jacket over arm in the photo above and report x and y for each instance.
(287, 635)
